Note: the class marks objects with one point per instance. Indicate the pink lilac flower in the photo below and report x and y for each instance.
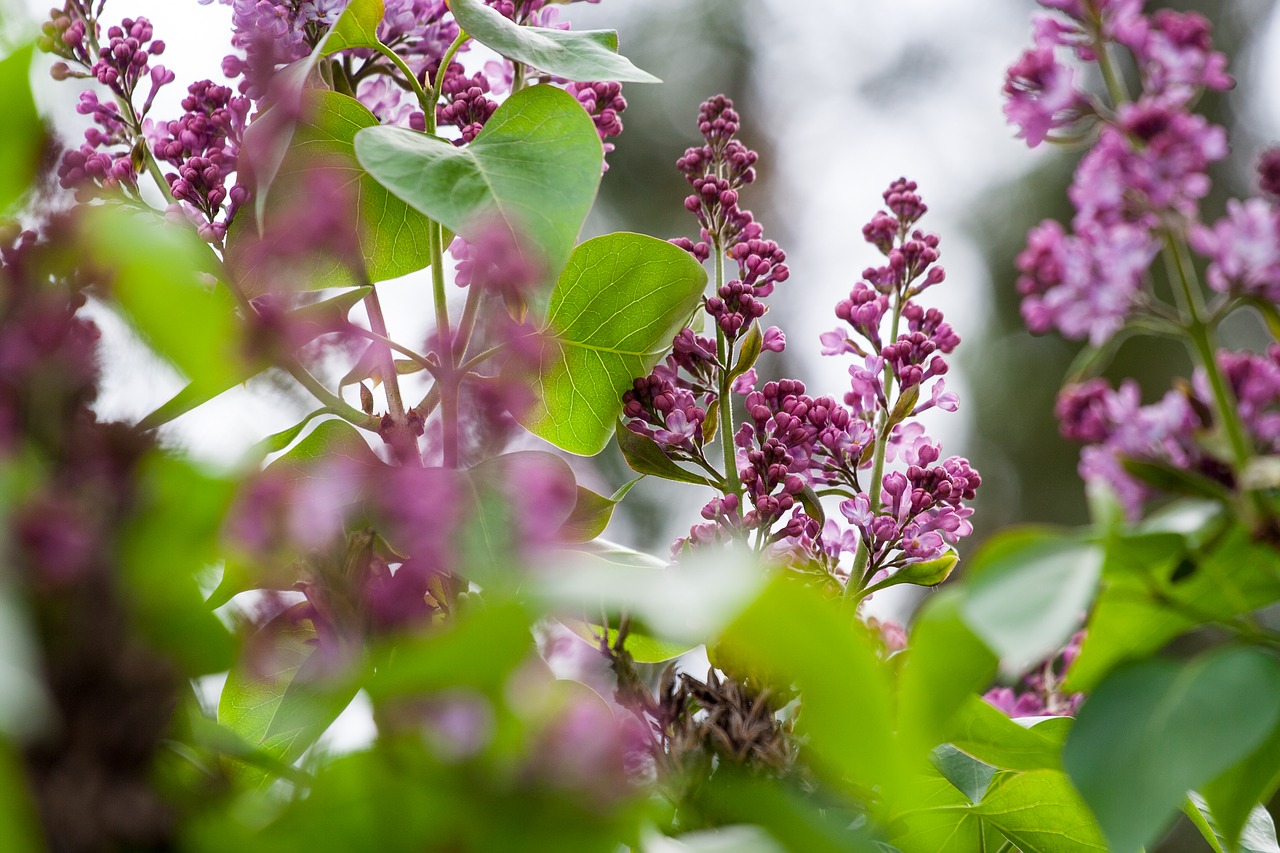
(1243, 249)
(1084, 285)
(1116, 427)
(1041, 96)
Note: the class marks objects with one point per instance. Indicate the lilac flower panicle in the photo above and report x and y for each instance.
(1243, 249)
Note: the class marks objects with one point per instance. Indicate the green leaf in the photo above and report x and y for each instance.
(284, 694)
(19, 829)
(305, 325)
(612, 315)
(171, 536)
(1257, 835)
(535, 166)
(1040, 812)
(752, 343)
(1232, 797)
(278, 441)
(582, 55)
(158, 279)
(357, 26)
(969, 775)
(393, 236)
(1153, 731)
(1026, 591)
(22, 136)
(1175, 480)
(644, 456)
(687, 602)
(944, 665)
(987, 734)
(591, 514)
(791, 635)
(1154, 590)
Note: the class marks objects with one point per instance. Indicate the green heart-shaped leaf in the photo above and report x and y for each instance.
(613, 313)
(535, 166)
(582, 55)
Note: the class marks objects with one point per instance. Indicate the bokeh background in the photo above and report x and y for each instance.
(839, 97)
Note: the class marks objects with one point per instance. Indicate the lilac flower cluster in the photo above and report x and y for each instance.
(717, 170)
(106, 159)
(1146, 171)
(791, 447)
(204, 146)
(604, 103)
(1115, 427)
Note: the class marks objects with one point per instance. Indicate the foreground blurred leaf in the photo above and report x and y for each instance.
(22, 134)
(285, 690)
(172, 535)
(1155, 588)
(19, 831)
(944, 665)
(1153, 731)
(1232, 797)
(791, 635)
(1026, 592)
(612, 315)
(536, 166)
(582, 55)
(159, 279)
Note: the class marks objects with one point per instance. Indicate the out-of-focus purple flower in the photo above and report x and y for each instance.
(1084, 285)
(1039, 692)
(1269, 173)
(1040, 96)
(1153, 162)
(1243, 248)
(1177, 58)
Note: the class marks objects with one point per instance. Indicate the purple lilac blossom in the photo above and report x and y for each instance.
(1243, 249)
(1146, 172)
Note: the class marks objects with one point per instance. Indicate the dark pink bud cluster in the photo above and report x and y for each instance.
(604, 103)
(467, 106)
(126, 56)
(670, 415)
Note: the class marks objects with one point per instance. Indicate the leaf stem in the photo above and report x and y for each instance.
(390, 381)
(428, 106)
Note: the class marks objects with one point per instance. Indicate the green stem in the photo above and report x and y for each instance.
(390, 380)
(1115, 87)
(467, 324)
(418, 358)
(1203, 346)
(724, 348)
(448, 383)
(437, 85)
(883, 428)
(427, 104)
